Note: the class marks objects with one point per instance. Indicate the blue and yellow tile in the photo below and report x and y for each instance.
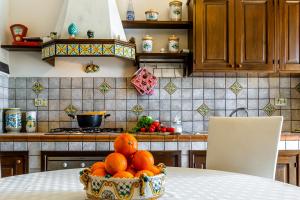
(73, 49)
(127, 52)
(85, 49)
(96, 49)
(46, 52)
(61, 49)
(119, 50)
(108, 49)
(52, 50)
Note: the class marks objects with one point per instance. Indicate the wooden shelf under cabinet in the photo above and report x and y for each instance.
(21, 48)
(157, 24)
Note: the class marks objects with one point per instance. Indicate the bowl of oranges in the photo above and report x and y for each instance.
(127, 173)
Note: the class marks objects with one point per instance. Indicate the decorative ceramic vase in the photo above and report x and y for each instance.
(73, 30)
(90, 34)
(30, 121)
(151, 15)
(175, 10)
(13, 120)
(147, 44)
(173, 44)
(130, 12)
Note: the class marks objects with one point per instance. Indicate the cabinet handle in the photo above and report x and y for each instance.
(18, 162)
(239, 65)
(65, 165)
(231, 65)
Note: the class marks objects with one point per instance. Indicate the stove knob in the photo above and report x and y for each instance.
(83, 165)
(65, 165)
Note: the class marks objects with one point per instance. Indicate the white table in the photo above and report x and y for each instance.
(181, 184)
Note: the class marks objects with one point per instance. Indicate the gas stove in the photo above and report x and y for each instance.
(62, 131)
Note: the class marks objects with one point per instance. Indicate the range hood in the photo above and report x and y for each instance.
(100, 16)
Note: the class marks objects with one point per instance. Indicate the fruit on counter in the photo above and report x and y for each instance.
(126, 144)
(126, 161)
(171, 129)
(142, 160)
(151, 130)
(115, 162)
(147, 172)
(163, 129)
(143, 130)
(123, 174)
(144, 122)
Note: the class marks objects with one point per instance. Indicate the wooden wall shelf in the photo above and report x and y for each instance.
(21, 48)
(157, 24)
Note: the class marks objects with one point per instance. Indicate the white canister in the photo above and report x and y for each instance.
(30, 121)
(151, 15)
(147, 44)
(173, 44)
(175, 10)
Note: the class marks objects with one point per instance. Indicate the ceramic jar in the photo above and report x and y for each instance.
(30, 121)
(173, 44)
(147, 44)
(175, 10)
(13, 120)
(151, 15)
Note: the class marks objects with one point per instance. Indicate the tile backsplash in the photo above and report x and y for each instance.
(191, 99)
(3, 96)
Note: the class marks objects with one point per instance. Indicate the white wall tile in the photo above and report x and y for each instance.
(48, 146)
(35, 162)
(34, 148)
(144, 145)
(20, 146)
(102, 146)
(88, 146)
(169, 146)
(157, 146)
(7, 146)
(292, 145)
(75, 146)
(281, 145)
(199, 145)
(61, 146)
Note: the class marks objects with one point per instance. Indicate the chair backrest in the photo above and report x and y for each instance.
(247, 145)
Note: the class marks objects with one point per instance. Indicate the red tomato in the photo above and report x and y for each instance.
(151, 130)
(163, 129)
(171, 129)
(158, 129)
(155, 124)
(143, 130)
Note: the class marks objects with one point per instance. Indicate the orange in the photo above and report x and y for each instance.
(115, 162)
(97, 165)
(126, 144)
(123, 174)
(146, 172)
(155, 170)
(131, 170)
(99, 172)
(142, 160)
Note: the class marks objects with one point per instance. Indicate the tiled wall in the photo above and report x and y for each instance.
(3, 96)
(192, 99)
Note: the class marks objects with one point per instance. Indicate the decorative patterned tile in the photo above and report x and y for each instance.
(52, 50)
(236, 88)
(71, 110)
(61, 49)
(297, 88)
(96, 49)
(85, 49)
(269, 109)
(203, 110)
(73, 49)
(37, 87)
(108, 49)
(170, 88)
(137, 109)
(127, 52)
(119, 50)
(104, 88)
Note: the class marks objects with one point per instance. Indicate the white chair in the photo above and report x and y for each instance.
(247, 145)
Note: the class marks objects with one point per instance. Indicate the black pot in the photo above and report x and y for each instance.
(89, 121)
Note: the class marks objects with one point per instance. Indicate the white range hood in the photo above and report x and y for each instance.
(100, 16)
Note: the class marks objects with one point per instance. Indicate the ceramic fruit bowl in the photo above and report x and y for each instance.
(145, 187)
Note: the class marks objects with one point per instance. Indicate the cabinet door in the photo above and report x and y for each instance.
(197, 159)
(286, 170)
(169, 158)
(13, 163)
(213, 35)
(289, 35)
(255, 35)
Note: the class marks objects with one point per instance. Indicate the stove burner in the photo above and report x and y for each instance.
(87, 130)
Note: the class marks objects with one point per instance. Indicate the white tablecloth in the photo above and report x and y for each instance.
(181, 184)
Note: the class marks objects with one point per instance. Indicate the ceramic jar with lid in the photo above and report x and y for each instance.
(147, 44)
(30, 121)
(175, 10)
(13, 120)
(173, 44)
(151, 15)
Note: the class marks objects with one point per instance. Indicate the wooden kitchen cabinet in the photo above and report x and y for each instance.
(254, 24)
(287, 170)
(213, 35)
(13, 163)
(289, 29)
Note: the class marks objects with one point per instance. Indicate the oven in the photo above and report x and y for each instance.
(56, 160)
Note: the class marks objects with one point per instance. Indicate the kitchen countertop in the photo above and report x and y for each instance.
(107, 137)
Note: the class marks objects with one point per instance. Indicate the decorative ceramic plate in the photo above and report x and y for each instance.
(144, 187)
